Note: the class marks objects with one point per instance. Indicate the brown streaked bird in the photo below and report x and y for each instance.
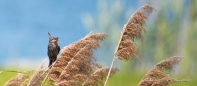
(53, 49)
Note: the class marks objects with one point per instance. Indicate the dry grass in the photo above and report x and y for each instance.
(79, 68)
(68, 52)
(83, 64)
(169, 63)
(16, 81)
(99, 76)
(155, 77)
(29, 78)
(133, 29)
(37, 76)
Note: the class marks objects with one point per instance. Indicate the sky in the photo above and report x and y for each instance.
(24, 27)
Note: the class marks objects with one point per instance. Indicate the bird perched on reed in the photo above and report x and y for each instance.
(53, 49)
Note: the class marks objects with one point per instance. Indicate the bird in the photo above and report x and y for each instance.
(53, 49)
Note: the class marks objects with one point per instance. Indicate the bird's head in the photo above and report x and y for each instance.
(56, 38)
(52, 39)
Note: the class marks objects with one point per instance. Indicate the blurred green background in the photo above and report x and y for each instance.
(170, 31)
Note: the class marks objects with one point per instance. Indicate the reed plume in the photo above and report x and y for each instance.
(98, 77)
(16, 81)
(169, 63)
(79, 68)
(37, 76)
(156, 77)
(68, 52)
(133, 29)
